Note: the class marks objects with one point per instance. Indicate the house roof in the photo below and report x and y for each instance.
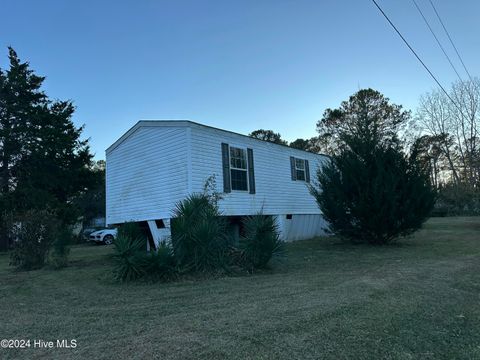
(188, 123)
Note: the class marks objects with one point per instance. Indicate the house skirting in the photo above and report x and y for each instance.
(300, 227)
(292, 227)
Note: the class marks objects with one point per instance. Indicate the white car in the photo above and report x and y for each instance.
(105, 236)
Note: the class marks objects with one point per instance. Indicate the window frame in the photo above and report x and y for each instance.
(244, 152)
(297, 169)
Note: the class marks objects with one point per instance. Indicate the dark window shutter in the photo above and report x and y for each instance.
(292, 168)
(226, 168)
(307, 171)
(251, 172)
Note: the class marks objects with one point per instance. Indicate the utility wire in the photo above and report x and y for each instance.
(438, 41)
(450, 38)
(416, 55)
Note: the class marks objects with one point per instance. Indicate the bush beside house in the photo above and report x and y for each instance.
(200, 244)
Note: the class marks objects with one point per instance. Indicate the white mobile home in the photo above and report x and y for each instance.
(155, 164)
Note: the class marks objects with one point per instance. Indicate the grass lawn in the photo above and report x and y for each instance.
(419, 299)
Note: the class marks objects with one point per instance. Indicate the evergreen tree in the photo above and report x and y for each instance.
(371, 191)
(43, 161)
(313, 144)
(268, 135)
(365, 111)
(92, 202)
(301, 144)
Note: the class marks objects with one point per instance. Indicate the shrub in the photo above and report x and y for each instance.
(133, 262)
(161, 263)
(457, 200)
(130, 258)
(131, 230)
(373, 193)
(32, 237)
(61, 249)
(260, 242)
(210, 190)
(199, 234)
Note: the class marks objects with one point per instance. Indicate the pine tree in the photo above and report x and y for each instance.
(268, 135)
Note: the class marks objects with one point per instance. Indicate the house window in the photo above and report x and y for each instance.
(300, 169)
(238, 169)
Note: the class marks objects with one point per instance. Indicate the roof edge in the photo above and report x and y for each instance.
(142, 123)
(186, 123)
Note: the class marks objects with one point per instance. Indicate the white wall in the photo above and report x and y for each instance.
(146, 174)
(301, 227)
(276, 192)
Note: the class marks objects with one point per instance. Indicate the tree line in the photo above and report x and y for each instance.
(46, 164)
(442, 133)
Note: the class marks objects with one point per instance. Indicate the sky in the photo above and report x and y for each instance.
(237, 65)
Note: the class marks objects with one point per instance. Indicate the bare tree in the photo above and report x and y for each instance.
(466, 118)
(436, 120)
(457, 125)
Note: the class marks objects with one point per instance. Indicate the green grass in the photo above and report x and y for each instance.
(418, 299)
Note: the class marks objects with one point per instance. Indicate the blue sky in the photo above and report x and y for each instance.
(238, 65)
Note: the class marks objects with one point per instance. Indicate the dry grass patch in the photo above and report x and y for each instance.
(416, 299)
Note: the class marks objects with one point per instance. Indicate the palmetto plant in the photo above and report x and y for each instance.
(161, 264)
(130, 258)
(199, 234)
(260, 242)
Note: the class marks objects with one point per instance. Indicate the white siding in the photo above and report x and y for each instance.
(301, 227)
(146, 174)
(156, 164)
(276, 192)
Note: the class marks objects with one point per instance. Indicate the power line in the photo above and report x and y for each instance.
(438, 41)
(449, 38)
(416, 55)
